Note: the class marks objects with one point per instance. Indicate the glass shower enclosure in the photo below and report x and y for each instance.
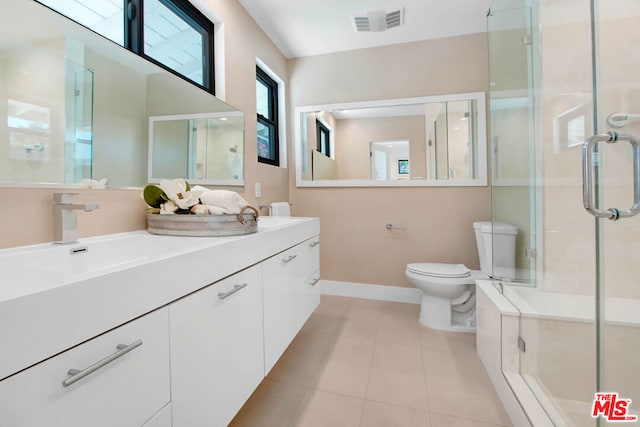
(564, 102)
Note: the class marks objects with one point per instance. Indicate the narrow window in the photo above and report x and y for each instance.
(324, 138)
(177, 36)
(267, 109)
(173, 34)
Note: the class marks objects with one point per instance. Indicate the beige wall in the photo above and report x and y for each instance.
(355, 245)
(323, 167)
(353, 138)
(121, 210)
(30, 218)
(244, 41)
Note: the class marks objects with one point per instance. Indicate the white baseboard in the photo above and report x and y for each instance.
(371, 291)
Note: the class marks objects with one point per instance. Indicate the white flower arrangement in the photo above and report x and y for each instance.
(177, 197)
(171, 197)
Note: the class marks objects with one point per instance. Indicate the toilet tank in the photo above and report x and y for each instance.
(496, 248)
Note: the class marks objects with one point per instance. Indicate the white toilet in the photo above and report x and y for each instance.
(448, 300)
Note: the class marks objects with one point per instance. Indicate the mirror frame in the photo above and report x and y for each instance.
(480, 181)
(224, 182)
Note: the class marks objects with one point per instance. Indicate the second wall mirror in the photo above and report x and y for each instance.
(423, 141)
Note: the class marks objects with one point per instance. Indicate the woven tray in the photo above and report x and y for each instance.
(203, 225)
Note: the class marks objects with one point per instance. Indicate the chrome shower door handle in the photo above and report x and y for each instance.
(587, 177)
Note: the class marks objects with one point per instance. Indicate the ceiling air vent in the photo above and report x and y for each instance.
(394, 18)
(379, 20)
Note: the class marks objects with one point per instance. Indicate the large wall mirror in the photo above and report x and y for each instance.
(424, 141)
(75, 105)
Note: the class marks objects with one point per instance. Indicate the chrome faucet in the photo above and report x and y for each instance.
(64, 217)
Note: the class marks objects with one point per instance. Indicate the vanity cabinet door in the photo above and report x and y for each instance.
(289, 297)
(216, 350)
(128, 381)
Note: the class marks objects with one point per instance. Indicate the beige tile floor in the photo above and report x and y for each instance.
(363, 363)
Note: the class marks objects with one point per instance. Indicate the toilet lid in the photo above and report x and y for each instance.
(439, 270)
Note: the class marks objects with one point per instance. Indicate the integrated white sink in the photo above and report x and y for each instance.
(30, 269)
(39, 267)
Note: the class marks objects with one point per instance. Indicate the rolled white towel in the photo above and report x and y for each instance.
(229, 201)
(217, 210)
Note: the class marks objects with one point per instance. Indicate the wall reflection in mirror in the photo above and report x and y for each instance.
(75, 105)
(413, 141)
(201, 148)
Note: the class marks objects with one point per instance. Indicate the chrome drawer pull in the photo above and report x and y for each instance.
(314, 243)
(77, 375)
(236, 288)
(289, 258)
(314, 282)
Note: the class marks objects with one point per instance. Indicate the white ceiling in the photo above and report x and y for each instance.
(312, 27)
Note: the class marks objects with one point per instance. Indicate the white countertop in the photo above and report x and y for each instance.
(51, 300)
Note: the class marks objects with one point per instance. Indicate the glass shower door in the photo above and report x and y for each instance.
(617, 108)
(537, 186)
(577, 80)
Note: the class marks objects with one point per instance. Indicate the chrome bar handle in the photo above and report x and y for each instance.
(77, 375)
(289, 258)
(236, 288)
(587, 178)
(314, 243)
(314, 282)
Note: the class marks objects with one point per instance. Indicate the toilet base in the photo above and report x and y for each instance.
(435, 313)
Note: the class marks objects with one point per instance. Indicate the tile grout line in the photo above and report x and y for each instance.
(459, 417)
(307, 388)
(295, 412)
(424, 383)
(370, 364)
(366, 390)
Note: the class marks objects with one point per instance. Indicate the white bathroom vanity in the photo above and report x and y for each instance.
(137, 330)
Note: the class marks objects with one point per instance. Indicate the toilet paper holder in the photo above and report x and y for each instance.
(390, 226)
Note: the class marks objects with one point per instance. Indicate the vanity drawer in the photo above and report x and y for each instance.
(127, 381)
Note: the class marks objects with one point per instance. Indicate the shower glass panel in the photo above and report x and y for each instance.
(441, 144)
(541, 91)
(617, 107)
(512, 139)
(82, 127)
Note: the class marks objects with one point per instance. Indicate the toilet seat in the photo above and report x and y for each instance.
(439, 270)
(444, 274)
